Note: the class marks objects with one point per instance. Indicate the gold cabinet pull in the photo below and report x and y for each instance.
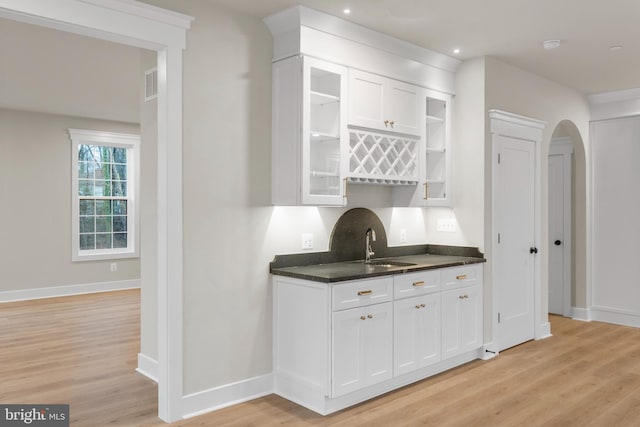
(418, 306)
(391, 123)
(461, 277)
(363, 318)
(369, 316)
(426, 190)
(369, 292)
(461, 297)
(386, 123)
(420, 283)
(422, 305)
(344, 193)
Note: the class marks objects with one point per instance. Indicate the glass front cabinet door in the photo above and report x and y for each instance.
(309, 133)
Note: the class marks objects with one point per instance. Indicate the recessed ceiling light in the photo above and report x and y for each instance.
(456, 51)
(551, 44)
(615, 47)
(346, 11)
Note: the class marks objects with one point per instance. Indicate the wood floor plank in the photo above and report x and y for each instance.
(82, 350)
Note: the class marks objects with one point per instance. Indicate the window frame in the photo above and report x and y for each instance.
(112, 139)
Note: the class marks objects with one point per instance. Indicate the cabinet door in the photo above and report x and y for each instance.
(403, 107)
(366, 100)
(416, 333)
(324, 133)
(471, 319)
(361, 347)
(381, 103)
(378, 343)
(461, 320)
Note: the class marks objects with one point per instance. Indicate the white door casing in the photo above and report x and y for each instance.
(141, 25)
(516, 290)
(559, 242)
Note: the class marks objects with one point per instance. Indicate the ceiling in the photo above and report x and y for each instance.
(510, 30)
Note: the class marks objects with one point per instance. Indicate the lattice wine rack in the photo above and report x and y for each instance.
(382, 159)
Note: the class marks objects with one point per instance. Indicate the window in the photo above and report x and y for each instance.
(104, 195)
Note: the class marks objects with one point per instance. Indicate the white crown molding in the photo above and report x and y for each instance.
(516, 119)
(291, 19)
(615, 96)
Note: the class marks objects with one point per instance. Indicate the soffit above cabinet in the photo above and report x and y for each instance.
(301, 30)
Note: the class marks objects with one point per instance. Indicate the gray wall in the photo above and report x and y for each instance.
(35, 190)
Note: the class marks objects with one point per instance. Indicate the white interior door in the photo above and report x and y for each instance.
(556, 234)
(513, 275)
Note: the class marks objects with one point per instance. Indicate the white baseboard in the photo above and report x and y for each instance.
(147, 367)
(227, 395)
(583, 314)
(544, 331)
(63, 291)
(615, 316)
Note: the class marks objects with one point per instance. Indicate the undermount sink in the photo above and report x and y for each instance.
(388, 263)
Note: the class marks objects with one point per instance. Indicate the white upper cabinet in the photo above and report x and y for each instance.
(309, 132)
(385, 104)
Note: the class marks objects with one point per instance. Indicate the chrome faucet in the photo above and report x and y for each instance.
(368, 253)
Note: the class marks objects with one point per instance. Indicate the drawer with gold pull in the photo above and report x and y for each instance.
(418, 283)
(359, 293)
(458, 277)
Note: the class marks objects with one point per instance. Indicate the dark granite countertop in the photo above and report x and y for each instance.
(351, 270)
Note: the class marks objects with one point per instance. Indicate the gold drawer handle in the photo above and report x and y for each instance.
(420, 283)
(461, 277)
(365, 293)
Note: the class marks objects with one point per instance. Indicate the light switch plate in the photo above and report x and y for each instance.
(447, 225)
(403, 235)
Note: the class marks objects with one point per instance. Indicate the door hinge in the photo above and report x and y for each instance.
(498, 317)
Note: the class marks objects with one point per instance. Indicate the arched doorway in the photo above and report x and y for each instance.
(567, 223)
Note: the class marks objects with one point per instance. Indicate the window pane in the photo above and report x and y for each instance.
(103, 241)
(120, 240)
(119, 188)
(119, 223)
(103, 207)
(120, 172)
(87, 242)
(119, 155)
(84, 153)
(103, 171)
(87, 207)
(119, 207)
(85, 188)
(102, 188)
(84, 170)
(87, 224)
(104, 154)
(103, 224)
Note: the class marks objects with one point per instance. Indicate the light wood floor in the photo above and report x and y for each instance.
(82, 351)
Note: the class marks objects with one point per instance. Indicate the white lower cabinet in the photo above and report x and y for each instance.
(339, 344)
(362, 344)
(416, 333)
(461, 320)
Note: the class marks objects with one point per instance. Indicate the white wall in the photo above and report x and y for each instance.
(518, 91)
(148, 214)
(35, 189)
(231, 232)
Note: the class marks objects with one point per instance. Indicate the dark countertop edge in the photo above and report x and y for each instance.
(315, 258)
(390, 272)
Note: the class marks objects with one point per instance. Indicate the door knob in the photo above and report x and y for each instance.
(533, 250)
(557, 243)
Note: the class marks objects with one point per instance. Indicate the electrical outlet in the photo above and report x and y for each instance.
(114, 267)
(307, 241)
(447, 225)
(403, 235)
